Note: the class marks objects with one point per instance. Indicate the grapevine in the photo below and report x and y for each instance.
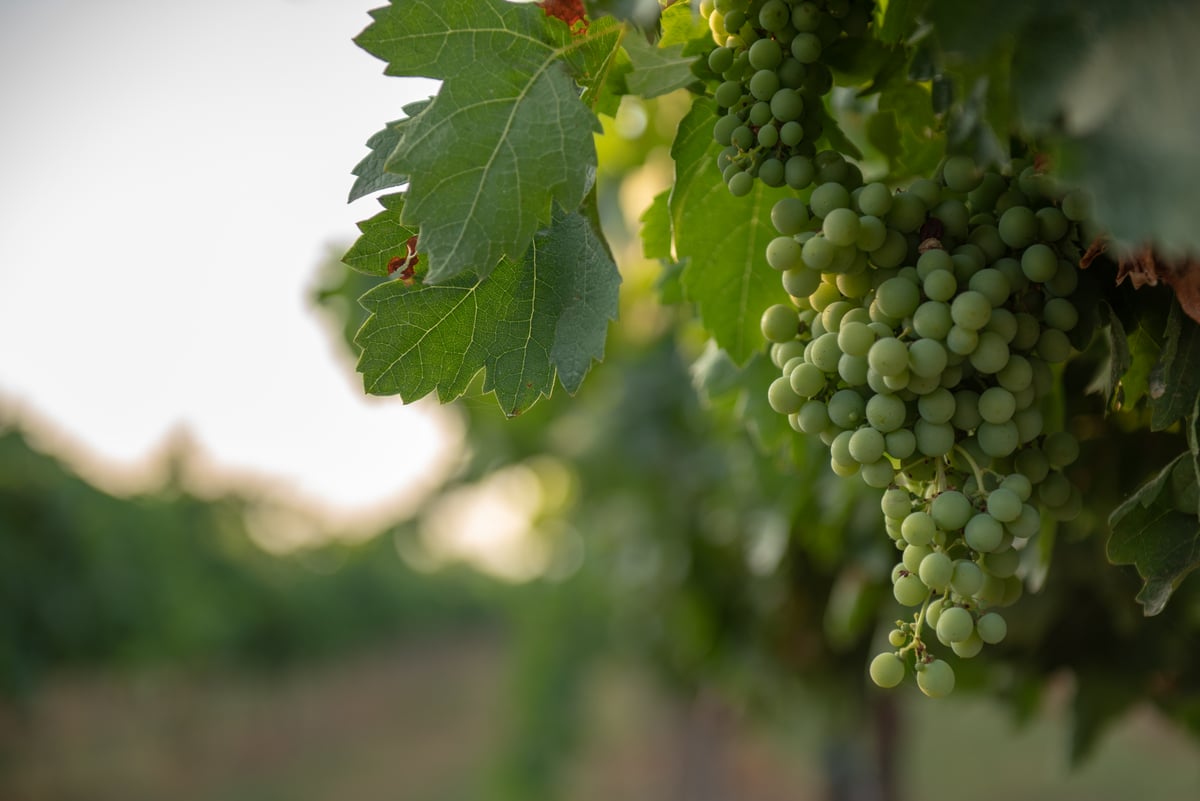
(918, 257)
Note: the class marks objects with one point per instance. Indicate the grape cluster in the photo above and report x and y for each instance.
(771, 114)
(919, 347)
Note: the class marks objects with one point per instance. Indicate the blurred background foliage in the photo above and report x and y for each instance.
(686, 613)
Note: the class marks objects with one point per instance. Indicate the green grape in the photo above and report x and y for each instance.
(1018, 227)
(784, 253)
(951, 510)
(792, 74)
(765, 54)
(936, 679)
(992, 628)
(918, 529)
(992, 284)
(896, 503)
(866, 445)
(779, 323)
(806, 17)
(807, 380)
(1002, 564)
(743, 138)
(1028, 523)
(908, 590)
(1003, 323)
(887, 670)
(968, 648)
(1053, 225)
(764, 84)
(789, 216)
(954, 216)
(855, 285)
(997, 405)
(875, 199)
(720, 59)
(940, 285)
(933, 261)
(839, 450)
(961, 174)
(1039, 263)
(791, 134)
(1033, 464)
(926, 357)
(1054, 346)
(913, 555)
(1054, 490)
(967, 578)
(855, 338)
(966, 410)
(806, 48)
(872, 234)
(724, 127)
(827, 197)
(771, 171)
(888, 357)
(971, 310)
(1019, 484)
(781, 397)
(892, 252)
(1061, 449)
(955, 624)
(728, 94)
(932, 320)
(813, 417)
(922, 385)
(936, 406)
(831, 316)
(961, 341)
(799, 171)
(983, 533)
(1016, 375)
(984, 196)
(986, 237)
(846, 408)
(907, 213)
(825, 353)
(1076, 205)
(787, 104)
(824, 294)
(1029, 424)
(991, 353)
(898, 297)
(927, 191)
(901, 443)
(897, 638)
(853, 369)
(936, 570)
(783, 352)
(998, 440)
(1004, 504)
(800, 282)
(818, 253)
(741, 184)
(934, 439)
(840, 226)
(1060, 313)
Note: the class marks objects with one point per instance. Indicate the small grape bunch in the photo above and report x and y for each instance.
(769, 101)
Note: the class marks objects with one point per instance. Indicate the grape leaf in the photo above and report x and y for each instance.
(722, 237)
(507, 134)
(897, 18)
(719, 380)
(1179, 368)
(657, 70)
(371, 172)
(1158, 530)
(383, 238)
(543, 316)
(656, 227)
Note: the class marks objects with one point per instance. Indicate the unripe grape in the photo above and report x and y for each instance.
(1002, 564)
(1061, 449)
(983, 533)
(968, 648)
(887, 670)
(919, 529)
(936, 679)
(909, 590)
(967, 578)
(779, 323)
(992, 628)
(951, 510)
(896, 503)
(936, 571)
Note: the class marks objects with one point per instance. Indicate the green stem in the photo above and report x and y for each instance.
(974, 466)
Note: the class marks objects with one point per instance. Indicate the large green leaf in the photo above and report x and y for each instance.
(533, 319)
(657, 70)
(507, 134)
(722, 237)
(1178, 371)
(371, 173)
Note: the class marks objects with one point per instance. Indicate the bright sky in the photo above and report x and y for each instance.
(170, 175)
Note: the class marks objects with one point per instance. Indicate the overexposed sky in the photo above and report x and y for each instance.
(170, 175)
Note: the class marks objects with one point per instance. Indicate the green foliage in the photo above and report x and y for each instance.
(530, 322)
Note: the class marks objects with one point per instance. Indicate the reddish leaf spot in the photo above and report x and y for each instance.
(571, 12)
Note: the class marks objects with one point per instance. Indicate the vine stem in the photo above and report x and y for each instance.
(974, 466)
(918, 624)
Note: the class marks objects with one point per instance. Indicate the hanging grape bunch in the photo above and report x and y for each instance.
(919, 347)
(769, 57)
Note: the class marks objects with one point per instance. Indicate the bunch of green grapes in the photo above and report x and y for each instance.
(771, 114)
(919, 346)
